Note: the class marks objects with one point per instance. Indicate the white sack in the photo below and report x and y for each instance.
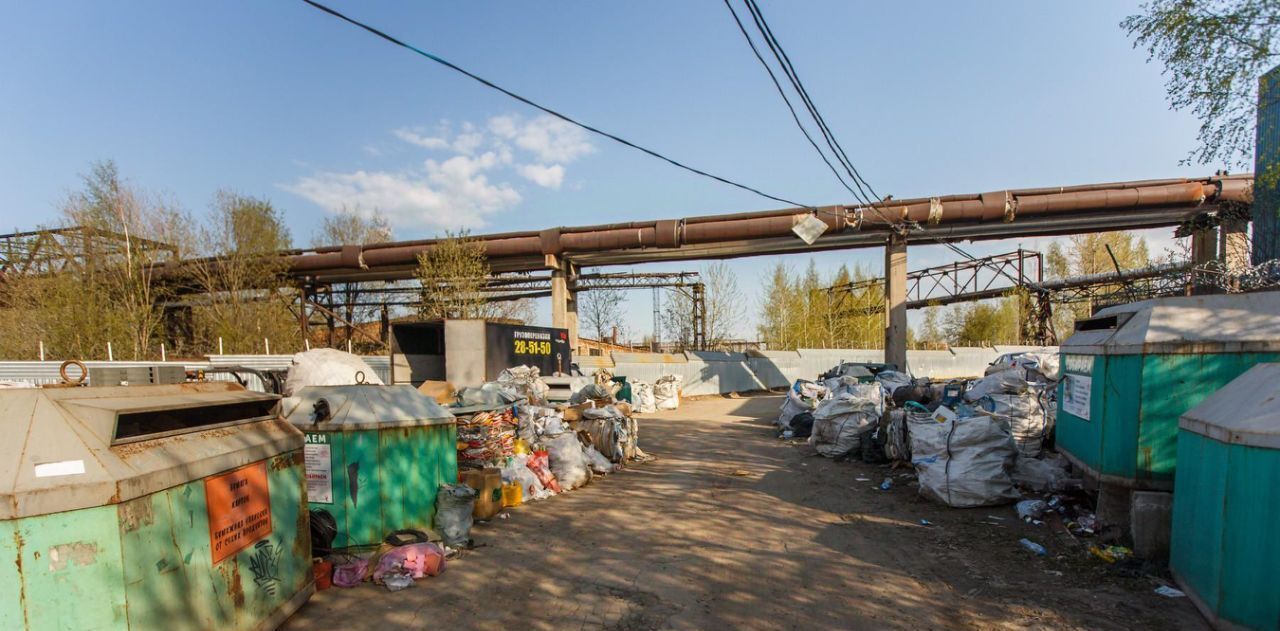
(642, 395)
(326, 367)
(839, 422)
(963, 463)
(568, 462)
(666, 392)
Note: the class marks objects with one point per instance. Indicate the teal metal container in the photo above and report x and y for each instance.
(375, 457)
(150, 507)
(1224, 549)
(1130, 371)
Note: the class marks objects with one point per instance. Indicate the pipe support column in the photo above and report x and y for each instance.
(895, 301)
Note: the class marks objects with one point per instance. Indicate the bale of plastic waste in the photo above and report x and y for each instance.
(642, 393)
(525, 381)
(592, 392)
(1003, 382)
(896, 445)
(666, 392)
(1024, 414)
(327, 367)
(803, 396)
(454, 505)
(568, 462)
(839, 422)
(962, 462)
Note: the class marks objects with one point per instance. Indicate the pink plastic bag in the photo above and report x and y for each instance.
(350, 574)
(540, 464)
(420, 559)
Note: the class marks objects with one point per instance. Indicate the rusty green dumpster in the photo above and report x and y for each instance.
(150, 507)
(375, 457)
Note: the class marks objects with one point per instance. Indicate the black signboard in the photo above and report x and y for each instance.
(509, 345)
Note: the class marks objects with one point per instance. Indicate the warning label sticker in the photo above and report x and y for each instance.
(319, 468)
(239, 504)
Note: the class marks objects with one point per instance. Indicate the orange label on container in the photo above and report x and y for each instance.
(239, 505)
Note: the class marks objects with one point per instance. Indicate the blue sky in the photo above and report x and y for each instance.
(278, 100)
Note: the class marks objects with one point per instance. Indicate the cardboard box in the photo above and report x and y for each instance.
(488, 486)
(442, 391)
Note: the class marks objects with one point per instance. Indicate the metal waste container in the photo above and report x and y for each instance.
(150, 507)
(1224, 550)
(1130, 371)
(375, 456)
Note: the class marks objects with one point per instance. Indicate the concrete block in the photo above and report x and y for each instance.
(1150, 522)
(1114, 503)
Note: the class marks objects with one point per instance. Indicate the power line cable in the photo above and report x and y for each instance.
(788, 68)
(543, 108)
(786, 99)
(793, 77)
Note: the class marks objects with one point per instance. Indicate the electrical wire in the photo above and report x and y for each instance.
(545, 109)
(788, 68)
(785, 99)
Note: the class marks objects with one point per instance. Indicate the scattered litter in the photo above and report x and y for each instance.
(1111, 554)
(504, 516)
(741, 473)
(887, 484)
(995, 518)
(863, 479)
(1031, 510)
(1032, 546)
(925, 522)
(1053, 572)
(1169, 592)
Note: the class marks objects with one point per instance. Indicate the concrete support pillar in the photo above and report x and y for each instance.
(1204, 250)
(895, 301)
(564, 302)
(1233, 244)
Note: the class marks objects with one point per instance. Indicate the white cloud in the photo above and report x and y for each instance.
(548, 138)
(450, 194)
(463, 186)
(545, 176)
(415, 138)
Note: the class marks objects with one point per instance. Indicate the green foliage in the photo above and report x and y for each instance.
(1083, 254)
(105, 289)
(453, 273)
(243, 305)
(799, 312)
(984, 323)
(1214, 52)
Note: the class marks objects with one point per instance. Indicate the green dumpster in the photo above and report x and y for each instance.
(1131, 370)
(375, 456)
(150, 507)
(1225, 507)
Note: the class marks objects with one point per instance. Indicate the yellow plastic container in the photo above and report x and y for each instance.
(520, 447)
(512, 495)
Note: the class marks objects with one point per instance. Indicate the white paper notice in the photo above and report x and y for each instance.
(319, 469)
(1076, 393)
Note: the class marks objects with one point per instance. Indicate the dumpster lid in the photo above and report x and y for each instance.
(74, 448)
(1224, 323)
(364, 407)
(1246, 411)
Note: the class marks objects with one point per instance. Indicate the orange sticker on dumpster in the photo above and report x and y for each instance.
(239, 509)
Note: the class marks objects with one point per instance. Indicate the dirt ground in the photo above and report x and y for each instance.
(685, 542)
